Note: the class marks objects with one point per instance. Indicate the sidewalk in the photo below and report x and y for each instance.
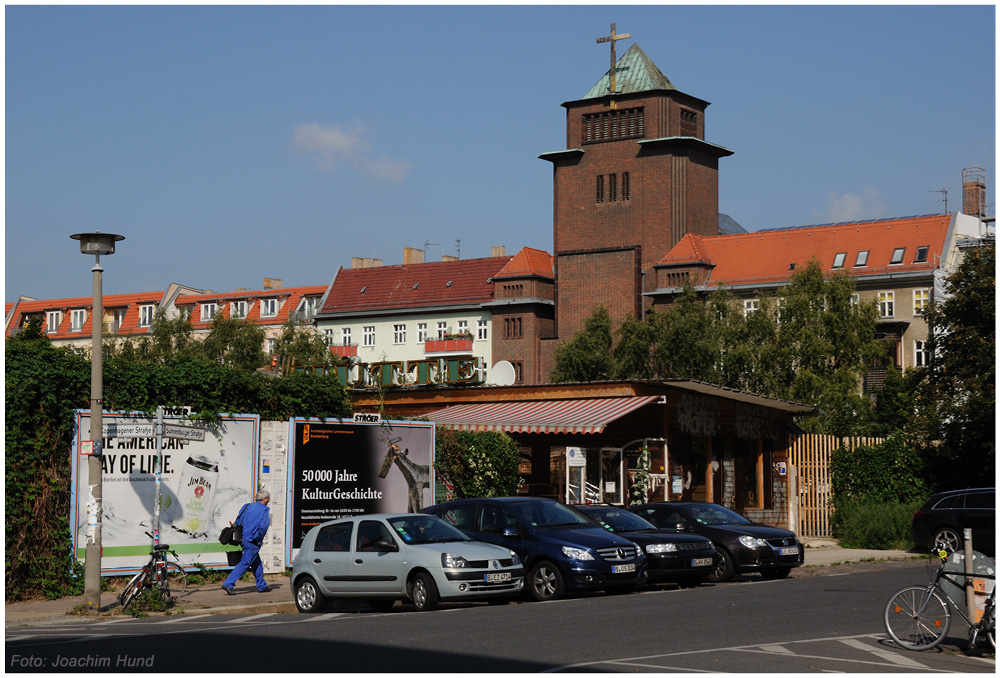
(211, 599)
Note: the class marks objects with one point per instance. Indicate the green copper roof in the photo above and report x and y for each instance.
(634, 72)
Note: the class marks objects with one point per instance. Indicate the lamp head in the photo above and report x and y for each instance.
(97, 243)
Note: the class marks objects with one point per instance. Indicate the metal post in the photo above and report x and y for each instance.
(95, 472)
(159, 474)
(970, 591)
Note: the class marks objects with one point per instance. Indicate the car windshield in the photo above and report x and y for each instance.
(423, 529)
(619, 520)
(713, 514)
(549, 514)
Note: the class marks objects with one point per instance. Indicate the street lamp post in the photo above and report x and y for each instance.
(97, 244)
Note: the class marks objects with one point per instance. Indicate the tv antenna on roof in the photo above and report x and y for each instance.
(945, 192)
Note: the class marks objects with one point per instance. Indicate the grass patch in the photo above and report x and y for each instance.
(866, 524)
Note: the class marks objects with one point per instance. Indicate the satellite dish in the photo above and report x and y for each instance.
(502, 374)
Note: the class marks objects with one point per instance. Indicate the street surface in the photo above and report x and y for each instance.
(819, 623)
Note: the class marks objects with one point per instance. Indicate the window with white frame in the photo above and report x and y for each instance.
(268, 308)
(481, 330)
(146, 314)
(421, 332)
(270, 344)
(921, 355)
(463, 327)
(921, 298)
(442, 330)
(368, 335)
(117, 319)
(77, 318)
(328, 334)
(345, 336)
(750, 306)
(399, 334)
(52, 321)
(886, 303)
(307, 307)
(237, 309)
(207, 311)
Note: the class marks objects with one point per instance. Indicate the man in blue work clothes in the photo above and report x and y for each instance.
(255, 519)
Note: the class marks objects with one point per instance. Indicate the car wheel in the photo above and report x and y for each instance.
(776, 573)
(546, 582)
(724, 569)
(307, 596)
(949, 539)
(381, 604)
(424, 592)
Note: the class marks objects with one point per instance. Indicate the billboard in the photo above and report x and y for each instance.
(203, 485)
(340, 468)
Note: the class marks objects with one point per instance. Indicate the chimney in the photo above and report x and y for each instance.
(448, 257)
(974, 191)
(365, 262)
(498, 251)
(272, 283)
(411, 255)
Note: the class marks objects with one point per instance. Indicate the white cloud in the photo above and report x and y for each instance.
(855, 207)
(335, 147)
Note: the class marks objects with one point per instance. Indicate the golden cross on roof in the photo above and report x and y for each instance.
(612, 39)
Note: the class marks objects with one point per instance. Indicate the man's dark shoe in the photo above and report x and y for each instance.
(228, 591)
(264, 590)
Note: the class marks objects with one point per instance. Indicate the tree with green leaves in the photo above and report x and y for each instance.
(477, 463)
(587, 356)
(235, 342)
(959, 392)
(300, 345)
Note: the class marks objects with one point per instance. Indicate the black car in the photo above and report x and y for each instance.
(561, 549)
(941, 521)
(671, 555)
(744, 546)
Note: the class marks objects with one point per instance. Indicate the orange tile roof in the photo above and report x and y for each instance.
(289, 302)
(767, 256)
(40, 307)
(528, 261)
(436, 283)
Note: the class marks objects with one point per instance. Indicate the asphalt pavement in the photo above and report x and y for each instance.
(211, 599)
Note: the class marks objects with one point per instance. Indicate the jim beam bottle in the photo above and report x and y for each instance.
(196, 495)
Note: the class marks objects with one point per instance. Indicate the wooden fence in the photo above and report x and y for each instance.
(810, 455)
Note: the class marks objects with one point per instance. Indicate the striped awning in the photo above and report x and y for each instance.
(546, 416)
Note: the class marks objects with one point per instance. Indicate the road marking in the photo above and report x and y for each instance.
(256, 616)
(115, 621)
(886, 655)
(326, 616)
(180, 618)
(777, 649)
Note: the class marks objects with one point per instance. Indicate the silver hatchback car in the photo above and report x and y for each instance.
(385, 557)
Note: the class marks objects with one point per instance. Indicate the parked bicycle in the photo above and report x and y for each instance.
(161, 575)
(918, 617)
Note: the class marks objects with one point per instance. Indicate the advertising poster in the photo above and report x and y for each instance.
(203, 485)
(339, 469)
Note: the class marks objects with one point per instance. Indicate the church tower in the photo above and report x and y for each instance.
(636, 176)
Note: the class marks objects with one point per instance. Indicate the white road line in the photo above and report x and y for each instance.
(887, 655)
(183, 617)
(319, 617)
(839, 659)
(777, 649)
(115, 621)
(242, 620)
(659, 668)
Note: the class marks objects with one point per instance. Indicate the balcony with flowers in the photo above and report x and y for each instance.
(449, 345)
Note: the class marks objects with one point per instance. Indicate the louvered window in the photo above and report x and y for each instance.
(625, 123)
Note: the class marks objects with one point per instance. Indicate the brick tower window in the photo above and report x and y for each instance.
(689, 123)
(626, 188)
(600, 188)
(625, 123)
(612, 187)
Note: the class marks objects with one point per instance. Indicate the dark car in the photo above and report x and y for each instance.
(744, 546)
(671, 555)
(561, 549)
(942, 520)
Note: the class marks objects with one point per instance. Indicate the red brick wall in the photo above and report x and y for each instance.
(592, 279)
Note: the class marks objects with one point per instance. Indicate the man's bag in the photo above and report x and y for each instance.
(231, 536)
(226, 536)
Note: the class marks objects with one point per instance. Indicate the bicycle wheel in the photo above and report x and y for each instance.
(917, 617)
(131, 589)
(173, 580)
(989, 626)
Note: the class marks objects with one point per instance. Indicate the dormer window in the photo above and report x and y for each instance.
(268, 308)
(921, 256)
(862, 259)
(897, 256)
(237, 309)
(207, 312)
(838, 259)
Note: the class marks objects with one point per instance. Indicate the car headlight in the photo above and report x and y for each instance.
(451, 560)
(752, 542)
(577, 554)
(514, 560)
(661, 548)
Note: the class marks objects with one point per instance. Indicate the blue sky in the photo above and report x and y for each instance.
(229, 144)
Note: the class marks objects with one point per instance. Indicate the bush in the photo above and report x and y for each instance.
(477, 464)
(891, 472)
(873, 524)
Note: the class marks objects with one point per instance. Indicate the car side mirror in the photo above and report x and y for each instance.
(510, 533)
(386, 546)
(684, 526)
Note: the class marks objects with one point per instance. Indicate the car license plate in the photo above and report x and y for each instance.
(701, 562)
(789, 551)
(618, 569)
(493, 577)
